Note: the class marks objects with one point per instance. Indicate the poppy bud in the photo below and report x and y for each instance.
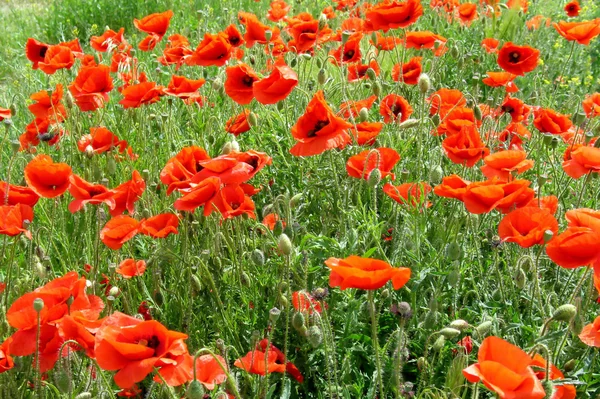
(588, 136)
(477, 113)
(520, 278)
(322, 76)
(13, 109)
(433, 304)
(230, 146)
(295, 200)
(244, 279)
(370, 72)
(374, 177)
(548, 234)
(62, 381)
(363, 114)
(453, 251)
(284, 245)
(217, 85)
(565, 313)
(196, 284)
(258, 257)
(579, 118)
(377, 89)
(407, 124)
(438, 345)
(315, 336)
(424, 83)
(454, 52)
(303, 331)
(293, 62)
(298, 320)
(305, 56)
(84, 395)
(576, 325)
(322, 21)
(569, 366)
(548, 387)
(384, 294)
(39, 269)
(421, 363)
(449, 332)
(453, 277)
(195, 390)
(459, 324)
(38, 304)
(497, 295)
(146, 213)
(283, 301)
(436, 119)
(484, 328)
(69, 99)
(158, 298)
(111, 166)
(430, 320)
(252, 119)
(15, 146)
(547, 140)
(274, 314)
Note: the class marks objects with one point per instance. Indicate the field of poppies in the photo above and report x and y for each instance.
(295, 199)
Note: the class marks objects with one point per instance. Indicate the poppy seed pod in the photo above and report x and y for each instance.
(195, 390)
(284, 245)
(315, 336)
(38, 304)
(274, 314)
(424, 83)
(565, 313)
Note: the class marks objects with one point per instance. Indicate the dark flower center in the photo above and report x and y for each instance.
(514, 57)
(43, 51)
(233, 40)
(248, 81)
(234, 205)
(349, 54)
(508, 108)
(318, 126)
(153, 342)
(396, 110)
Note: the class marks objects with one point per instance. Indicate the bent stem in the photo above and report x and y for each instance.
(371, 296)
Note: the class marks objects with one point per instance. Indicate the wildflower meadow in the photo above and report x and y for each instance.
(300, 199)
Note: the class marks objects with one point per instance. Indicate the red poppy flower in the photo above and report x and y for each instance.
(184, 88)
(135, 347)
(11, 194)
(234, 200)
(426, 39)
(490, 45)
(208, 371)
(130, 268)
(277, 86)
(304, 302)
(518, 60)
(91, 87)
(88, 193)
(590, 335)
(385, 43)
(47, 105)
(5, 113)
(394, 108)
(233, 168)
(154, 24)
(365, 273)
(516, 108)
(578, 244)
(180, 168)
(452, 186)
(483, 197)
(139, 94)
(127, 193)
(358, 71)
(505, 369)
(109, 39)
(501, 164)
(535, 22)
(262, 361)
(581, 32)
(46, 178)
(580, 160)
(352, 108)
(55, 58)
(467, 12)
(6, 361)
(14, 219)
(501, 79)
(455, 120)
(80, 330)
(201, 194)
(278, 10)
(35, 51)
(591, 105)
(565, 391)
(233, 36)
(40, 130)
(408, 73)
(271, 220)
(465, 147)
(361, 165)
(318, 129)
(101, 140)
(160, 226)
(444, 100)
(393, 14)
(238, 124)
(412, 194)
(176, 51)
(365, 133)
(466, 344)
(350, 51)
(239, 82)
(214, 50)
(549, 121)
(304, 35)
(526, 226)
(255, 30)
(572, 8)
(118, 230)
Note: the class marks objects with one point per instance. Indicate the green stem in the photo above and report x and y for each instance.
(374, 336)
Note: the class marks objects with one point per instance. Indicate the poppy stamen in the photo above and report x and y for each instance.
(514, 57)
(318, 126)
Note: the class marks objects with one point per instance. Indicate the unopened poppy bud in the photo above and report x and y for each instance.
(374, 177)
(111, 166)
(114, 291)
(433, 304)
(158, 298)
(283, 301)
(579, 118)
(322, 21)
(402, 310)
(547, 140)
(305, 56)
(315, 336)
(320, 293)
(13, 109)
(435, 119)
(89, 151)
(484, 328)
(548, 386)
(280, 106)
(268, 35)
(322, 76)
(62, 381)
(252, 119)
(252, 59)
(569, 366)
(38, 304)
(284, 245)
(453, 251)
(407, 124)
(84, 395)
(216, 84)
(588, 136)
(449, 332)
(69, 100)
(298, 320)
(548, 234)
(152, 117)
(146, 213)
(520, 278)
(424, 83)
(436, 174)
(439, 343)
(576, 325)
(244, 279)
(497, 295)
(453, 277)
(258, 257)
(195, 390)
(295, 200)
(377, 89)
(293, 62)
(15, 146)
(384, 294)
(371, 73)
(421, 363)
(274, 314)
(454, 52)
(196, 284)
(430, 320)
(363, 114)
(39, 269)
(477, 112)
(459, 324)
(303, 331)
(565, 313)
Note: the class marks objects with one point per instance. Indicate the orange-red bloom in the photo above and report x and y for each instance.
(501, 79)
(518, 60)
(572, 8)
(239, 123)
(11, 194)
(14, 219)
(393, 14)
(130, 268)
(426, 39)
(590, 335)
(319, 129)
(180, 168)
(6, 361)
(580, 160)
(413, 194)
(564, 391)
(139, 94)
(549, 121)
(526, 226)
(395, 108)
(108, 40)
(201, 194)
(277, 86)
(408, 73)
(581, 32)
(490, 45)
(184, 88)
(452, 186)
(278, 10)
(467, 12)
(578, 244)
(88, 193)
(362, 164)
(159, 226)
(262, 361)
(501, 164)
(214, 50)
(55, 58)
(505, 369)
(365, 273)
(47, 105)
(239, 82)
(46, 178)
(118, 230)
(444, 100)
(91, 87)
(483, 197)
(591, 105)
(127, 193)
(304, 302)
(465, 147)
